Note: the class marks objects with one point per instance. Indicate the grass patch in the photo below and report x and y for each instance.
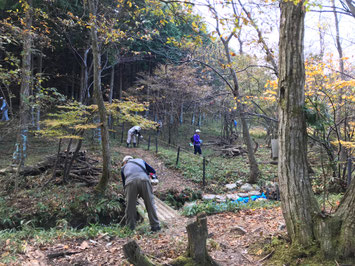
(258, 132)
(219, 170)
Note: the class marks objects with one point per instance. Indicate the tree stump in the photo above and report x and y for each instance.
(134, 254)
(197, 236)
(274, 149)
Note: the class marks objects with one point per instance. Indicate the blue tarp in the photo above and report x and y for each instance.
(224, 206)
(253, 198)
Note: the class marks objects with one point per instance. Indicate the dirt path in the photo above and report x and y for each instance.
(168, 179)
(225, 244)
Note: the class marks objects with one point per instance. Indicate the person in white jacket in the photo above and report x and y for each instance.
(132, 133)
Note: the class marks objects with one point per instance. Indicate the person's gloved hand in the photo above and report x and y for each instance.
(141, 137)
(153, 176)
(153, 179)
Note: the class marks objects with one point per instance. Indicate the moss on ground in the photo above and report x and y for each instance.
(283, 253)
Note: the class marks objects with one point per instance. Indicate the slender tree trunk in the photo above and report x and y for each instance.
(84, 77)
(253, 165)
(25, 90)
(121, 82)
(193, 115)
(305, 223)
(338, 44)
(148, 100)
(321, 38)
(182, 113)
(73, 83)
(40, 69)
(340, 113)
(106, 169)
(112, 83)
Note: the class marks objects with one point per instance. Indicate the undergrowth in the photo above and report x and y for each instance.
(213, 207)
(218, 169)
(13, 242)
(73, 205)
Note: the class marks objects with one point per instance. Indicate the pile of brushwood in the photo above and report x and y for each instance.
(65, 167)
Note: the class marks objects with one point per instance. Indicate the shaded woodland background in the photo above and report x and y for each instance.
(77, 75)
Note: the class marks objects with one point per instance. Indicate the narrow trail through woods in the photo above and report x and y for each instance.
(225, 244)
(168, 178)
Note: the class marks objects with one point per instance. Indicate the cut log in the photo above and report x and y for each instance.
(134, 254)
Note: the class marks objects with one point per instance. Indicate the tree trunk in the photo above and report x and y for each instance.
(297, 200)
(72, 95)
(148, 99)
(121, 82)
(106, 169)
(182, 113)
(253, 165)
(197, 233)
(40, 72)
(84, 77)
(21, 150)
(193, 115)
(346, 234)
(112, 83)
(340, 112)
(305, 223)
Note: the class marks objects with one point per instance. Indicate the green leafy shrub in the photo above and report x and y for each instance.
(77, 206)
(212, 207)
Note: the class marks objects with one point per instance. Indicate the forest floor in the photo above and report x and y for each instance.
(226, 243)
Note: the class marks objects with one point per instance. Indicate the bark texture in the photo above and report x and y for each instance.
(106, 167)
(345, 216)
(305, 223)
(297, 200)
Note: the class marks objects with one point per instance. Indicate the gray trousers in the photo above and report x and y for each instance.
(131, 137)
(143, 188)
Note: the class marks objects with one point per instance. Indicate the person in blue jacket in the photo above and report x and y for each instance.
(136, 182)
(197, 142)
(4, 109)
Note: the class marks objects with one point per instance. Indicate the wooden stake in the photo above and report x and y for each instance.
(177, 157)
(204, 171)
(122, 132)
(148, 142)
(156, 144)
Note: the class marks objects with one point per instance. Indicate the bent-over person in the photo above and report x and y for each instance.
(136, 182)
(131, 135)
